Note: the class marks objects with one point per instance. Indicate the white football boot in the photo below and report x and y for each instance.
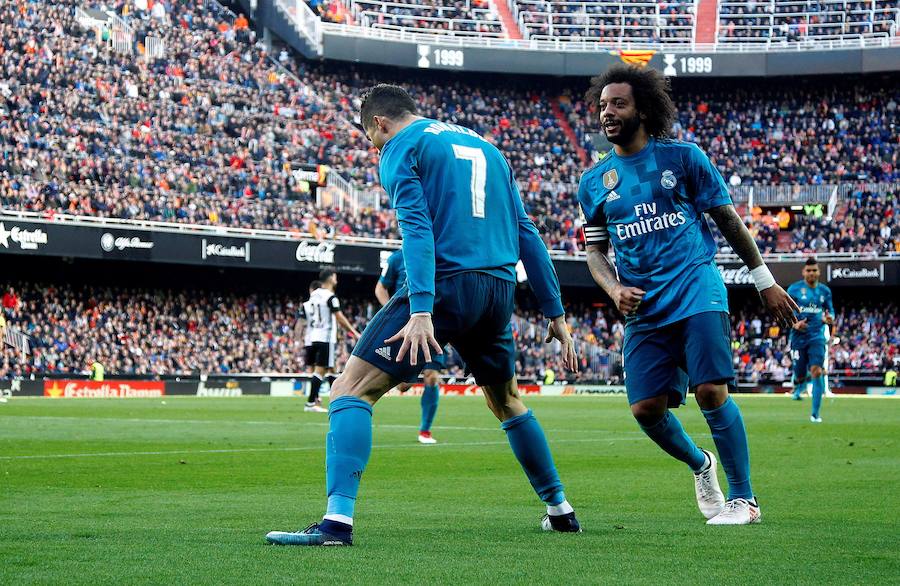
(706, 486)
(738, 512)
(315, 409)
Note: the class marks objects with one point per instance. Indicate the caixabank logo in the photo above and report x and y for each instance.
(22, 238)
(210, 249)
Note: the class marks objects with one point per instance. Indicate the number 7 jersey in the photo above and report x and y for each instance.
(459, 210)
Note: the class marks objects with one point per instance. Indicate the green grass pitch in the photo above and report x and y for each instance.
(141, 492)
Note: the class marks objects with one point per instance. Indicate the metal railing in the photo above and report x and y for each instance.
(306, 22)
(612, 19)
(593, 46)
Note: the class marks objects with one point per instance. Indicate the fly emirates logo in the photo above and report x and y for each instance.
(649, 221)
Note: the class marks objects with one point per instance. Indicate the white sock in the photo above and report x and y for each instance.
(339, 519)
(563, 508)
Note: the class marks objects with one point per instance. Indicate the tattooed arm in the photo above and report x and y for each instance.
(737, 235)
(627, 299)
(776, 300)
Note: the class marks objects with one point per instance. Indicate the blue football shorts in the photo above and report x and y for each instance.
(472, 313)
(805, 354)
(670, 359)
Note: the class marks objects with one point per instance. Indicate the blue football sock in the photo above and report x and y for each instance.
(430, 397)
(727, 427)
(818, 389)
(671, 437)
(530, 447)
(798, 389)
(347, 449)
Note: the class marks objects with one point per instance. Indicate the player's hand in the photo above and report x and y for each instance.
(780, 305)
(557, 329)
(828, 319)
(801, 325)
(627, 299)
(417, 334)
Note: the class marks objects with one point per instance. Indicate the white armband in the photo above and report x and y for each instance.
(763, 278)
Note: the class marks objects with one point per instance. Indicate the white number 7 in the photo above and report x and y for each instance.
(479, 175)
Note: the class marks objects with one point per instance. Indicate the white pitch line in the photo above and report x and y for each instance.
(297, 449)
(278, 423)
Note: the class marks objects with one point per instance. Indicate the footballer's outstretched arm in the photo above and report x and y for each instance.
(409, 201)
(541, 273)
(545, 284)
(777, 301)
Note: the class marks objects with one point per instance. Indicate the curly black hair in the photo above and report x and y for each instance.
(651, 95)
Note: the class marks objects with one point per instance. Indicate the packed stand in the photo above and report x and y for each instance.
(454, 17)
(612, 22)
(134, 331)
(209, 132)
(789, 21)
(871, 223)
(865, 340)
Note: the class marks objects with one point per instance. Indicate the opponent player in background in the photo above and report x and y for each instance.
(302, 329)
(648, 197)
(392, 278)
(444, 181)
(809, 336)
(323, 317)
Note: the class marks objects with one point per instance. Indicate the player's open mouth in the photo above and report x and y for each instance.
(608, 126)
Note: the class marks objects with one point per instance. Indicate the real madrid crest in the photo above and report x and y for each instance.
(610, 179)
(668, 179)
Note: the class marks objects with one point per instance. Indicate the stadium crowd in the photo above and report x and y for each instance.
(454, 17)
(208, 132)
(641, 20)
(797, 20)
(134, 331)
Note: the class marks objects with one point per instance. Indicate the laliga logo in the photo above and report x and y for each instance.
(26, 239)
(323, 252)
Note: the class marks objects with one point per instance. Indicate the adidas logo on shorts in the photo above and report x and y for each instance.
(384, 352)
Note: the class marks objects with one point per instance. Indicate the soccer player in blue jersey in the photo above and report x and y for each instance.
(648, 197)
(392, 278)
(809, 343)
(464, 228)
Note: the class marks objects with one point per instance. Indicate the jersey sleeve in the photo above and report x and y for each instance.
(595, 230)
(401, 180)
(541, 273)
(707, 187)
(829, 302)
(334, 304)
